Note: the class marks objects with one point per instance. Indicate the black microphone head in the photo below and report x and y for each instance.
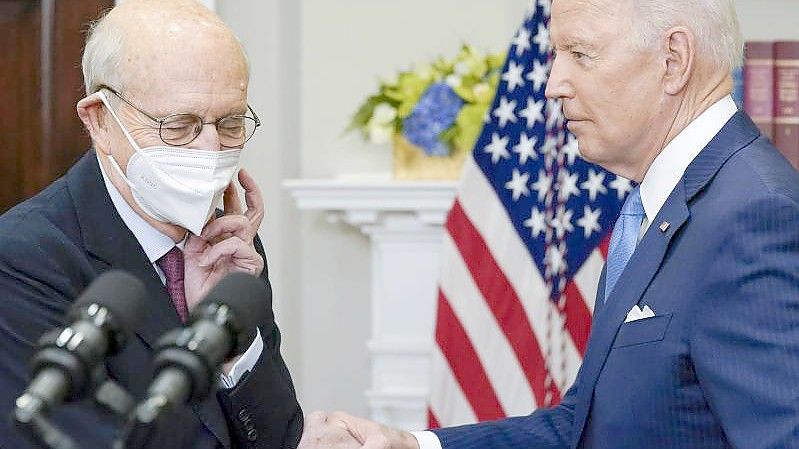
(250, 301)
(120, 293)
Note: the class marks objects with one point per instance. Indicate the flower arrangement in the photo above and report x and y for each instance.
(438, 107)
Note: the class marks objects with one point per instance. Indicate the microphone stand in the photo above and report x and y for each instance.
(33, 423)
(31, 417)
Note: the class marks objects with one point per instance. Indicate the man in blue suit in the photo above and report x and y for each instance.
(695, 340)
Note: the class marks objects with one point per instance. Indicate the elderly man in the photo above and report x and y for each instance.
(167, 111)
(708, 240)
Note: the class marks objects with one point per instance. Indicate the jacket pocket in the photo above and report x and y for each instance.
(646, 330)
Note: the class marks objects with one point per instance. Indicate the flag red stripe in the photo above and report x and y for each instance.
(554, 394)
(578, 317)
(500, 298)
(604, 245)
(432, 421)
(466, 366)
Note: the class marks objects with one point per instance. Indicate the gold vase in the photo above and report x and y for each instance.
(411, 162)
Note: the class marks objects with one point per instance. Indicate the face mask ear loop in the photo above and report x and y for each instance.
(107, 104)
(111, 159)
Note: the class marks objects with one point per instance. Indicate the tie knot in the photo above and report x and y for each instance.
(633, 204)
(171, 264)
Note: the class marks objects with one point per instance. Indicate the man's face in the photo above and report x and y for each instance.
(179, 71)
(610, 89)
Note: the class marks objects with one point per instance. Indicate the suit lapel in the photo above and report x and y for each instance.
(650, 254)
(632, 283)
(600, 294)
(112, 245)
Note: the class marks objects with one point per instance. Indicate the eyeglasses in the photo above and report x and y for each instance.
(181, 129)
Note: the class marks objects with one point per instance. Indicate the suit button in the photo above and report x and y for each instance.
(248, 424)
(252, 435)
(243, 415)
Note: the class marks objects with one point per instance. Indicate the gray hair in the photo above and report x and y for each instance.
(713, 22)
(101, 56)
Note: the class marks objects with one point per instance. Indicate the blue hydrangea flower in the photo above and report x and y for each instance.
(435, 112)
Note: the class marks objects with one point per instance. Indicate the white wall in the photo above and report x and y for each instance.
(768, 19)
(313, 61)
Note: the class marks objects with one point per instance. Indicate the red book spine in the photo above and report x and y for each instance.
(759, 85)
(786, 100)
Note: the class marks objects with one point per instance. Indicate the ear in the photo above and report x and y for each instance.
(680, 53)
(92, 113)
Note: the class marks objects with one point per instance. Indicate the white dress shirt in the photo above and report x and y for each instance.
(663, 175)
(155, 245)
(669, 166)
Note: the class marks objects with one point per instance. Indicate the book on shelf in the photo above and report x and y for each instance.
(759, 85)
(786, 100)
(771, 93)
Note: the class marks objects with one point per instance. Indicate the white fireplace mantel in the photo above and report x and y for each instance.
(369, 202)
(404, 223)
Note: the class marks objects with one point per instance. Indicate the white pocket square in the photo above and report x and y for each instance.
(638, 313)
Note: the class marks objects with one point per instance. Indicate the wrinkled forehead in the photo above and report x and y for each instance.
(589, 20)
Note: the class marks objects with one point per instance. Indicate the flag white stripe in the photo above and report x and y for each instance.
(587, 278)
(490, 343)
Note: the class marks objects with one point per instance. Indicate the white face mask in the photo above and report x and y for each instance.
(176, 185)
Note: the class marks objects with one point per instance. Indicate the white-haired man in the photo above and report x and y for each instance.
(708, 240)
(166, 108)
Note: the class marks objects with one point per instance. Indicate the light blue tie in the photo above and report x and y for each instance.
(624, 239)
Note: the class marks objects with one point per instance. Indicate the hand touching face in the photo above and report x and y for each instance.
(226, 244)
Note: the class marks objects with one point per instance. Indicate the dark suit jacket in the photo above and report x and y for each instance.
(51, 247)
(718, 366)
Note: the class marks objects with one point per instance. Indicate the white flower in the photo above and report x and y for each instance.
(453, 81)
(383, 114)
(380, 134)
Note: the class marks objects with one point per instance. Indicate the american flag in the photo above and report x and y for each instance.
(524, 248)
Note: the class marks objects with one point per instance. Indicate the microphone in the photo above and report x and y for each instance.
(65, 366)
(188, 359)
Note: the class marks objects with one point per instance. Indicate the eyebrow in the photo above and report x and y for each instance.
(570, 43)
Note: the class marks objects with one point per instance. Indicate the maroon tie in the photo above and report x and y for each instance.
(171, 264)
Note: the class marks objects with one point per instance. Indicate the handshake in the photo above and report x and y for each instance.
(339, 430)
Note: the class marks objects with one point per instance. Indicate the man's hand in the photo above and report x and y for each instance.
(226, 243)
(322, 433)
(340, 430)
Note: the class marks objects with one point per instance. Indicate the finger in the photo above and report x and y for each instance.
(252, 198)
(376, 441)
(340, 416)
(316, 418)
(229, 225)
(194, 246)
(231, 200)
(359, 428)
(239, 253)
(233, 247)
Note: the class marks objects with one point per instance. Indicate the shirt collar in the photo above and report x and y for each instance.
(669, 166)
(154, 242)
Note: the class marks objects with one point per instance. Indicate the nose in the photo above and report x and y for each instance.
(558, 84)
(208, 138)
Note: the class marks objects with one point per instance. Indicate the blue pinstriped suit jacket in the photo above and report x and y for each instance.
(718, 366)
